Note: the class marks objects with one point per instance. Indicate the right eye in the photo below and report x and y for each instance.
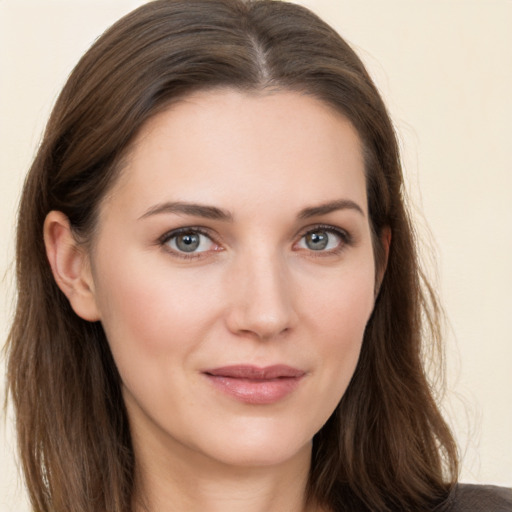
(189, 241)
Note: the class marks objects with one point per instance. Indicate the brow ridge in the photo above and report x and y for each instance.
(215, 213)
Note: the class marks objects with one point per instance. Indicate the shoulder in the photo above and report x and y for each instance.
(480, 498)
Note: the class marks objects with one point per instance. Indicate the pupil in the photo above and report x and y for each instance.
(188, 242)
(317, 241)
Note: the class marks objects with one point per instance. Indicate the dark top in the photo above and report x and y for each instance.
(480, 498)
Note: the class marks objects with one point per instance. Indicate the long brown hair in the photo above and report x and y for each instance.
(386, 446)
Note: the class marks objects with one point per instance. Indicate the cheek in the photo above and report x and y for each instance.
(147, 313)
(338, 320)
(341, 303)
(154, 324)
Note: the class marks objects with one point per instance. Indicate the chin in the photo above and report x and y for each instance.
(242, 455)
(257, 445)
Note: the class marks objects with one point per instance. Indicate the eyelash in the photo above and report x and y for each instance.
(346, 240)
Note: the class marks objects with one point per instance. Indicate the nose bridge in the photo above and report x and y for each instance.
(262, 301)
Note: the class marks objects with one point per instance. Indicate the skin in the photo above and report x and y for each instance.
(254, 292)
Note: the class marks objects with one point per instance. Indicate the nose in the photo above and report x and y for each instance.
(261, 297)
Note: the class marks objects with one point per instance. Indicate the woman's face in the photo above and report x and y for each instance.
(233, 273)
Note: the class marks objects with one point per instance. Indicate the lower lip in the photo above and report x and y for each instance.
(255, 391)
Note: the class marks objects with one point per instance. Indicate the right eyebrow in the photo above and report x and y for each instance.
(193, 209)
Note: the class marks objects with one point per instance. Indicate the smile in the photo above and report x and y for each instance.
(255, 385)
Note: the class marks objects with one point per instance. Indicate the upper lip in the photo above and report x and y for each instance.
(243, 371)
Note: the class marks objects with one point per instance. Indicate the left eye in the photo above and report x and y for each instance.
(320, 240)
(190, 242)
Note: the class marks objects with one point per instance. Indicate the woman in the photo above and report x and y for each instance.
(226, 308)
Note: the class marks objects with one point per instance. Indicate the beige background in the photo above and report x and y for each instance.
(445, 69)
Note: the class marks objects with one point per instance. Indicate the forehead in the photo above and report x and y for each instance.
(244, 149)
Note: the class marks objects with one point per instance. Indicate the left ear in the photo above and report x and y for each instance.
(382, 264)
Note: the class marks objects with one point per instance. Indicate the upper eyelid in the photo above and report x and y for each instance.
(325, 227)
(208, 232)
(186, 229)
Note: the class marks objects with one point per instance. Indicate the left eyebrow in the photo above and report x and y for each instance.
(332, 206)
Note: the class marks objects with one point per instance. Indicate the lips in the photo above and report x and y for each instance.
(255, 385)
